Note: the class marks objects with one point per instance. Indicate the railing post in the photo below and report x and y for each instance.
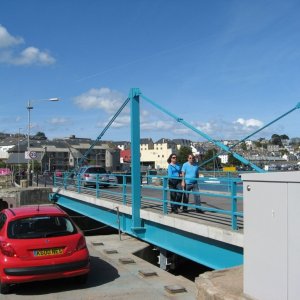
(65, 178)
(124, 181)
(233, 205)
(54, 181)
(97, 186)
(165, 195)
(78, 183)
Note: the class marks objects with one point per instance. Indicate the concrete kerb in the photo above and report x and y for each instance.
(224, 284)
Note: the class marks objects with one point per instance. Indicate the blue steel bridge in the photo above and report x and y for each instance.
(214, 239)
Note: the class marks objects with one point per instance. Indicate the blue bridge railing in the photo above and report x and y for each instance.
(221, 196)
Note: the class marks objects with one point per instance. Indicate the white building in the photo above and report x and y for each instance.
(156, 154)
(223, 158)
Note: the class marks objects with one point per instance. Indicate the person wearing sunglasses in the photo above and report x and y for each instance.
(190, 173)
(174, 172)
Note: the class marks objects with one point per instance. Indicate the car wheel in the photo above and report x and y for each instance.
(82, 279)
(4, 288)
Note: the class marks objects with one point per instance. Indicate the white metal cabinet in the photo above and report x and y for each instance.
(271, 235)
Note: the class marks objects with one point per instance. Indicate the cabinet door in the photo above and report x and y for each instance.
(265, 240)
(294, 241)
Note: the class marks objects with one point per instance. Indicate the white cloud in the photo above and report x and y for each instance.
(249, 122)
(221, 129)
(120, 121)
(157, 125)
(208, 127)
(7, 40)
(109, 101)
(27, 56)
(103, 98)
(59, 121)
(182, 131)
(32, 55)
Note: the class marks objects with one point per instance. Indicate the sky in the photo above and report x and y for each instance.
(226, 67)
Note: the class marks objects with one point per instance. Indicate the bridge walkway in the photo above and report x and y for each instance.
(211, 218)
(204, 238)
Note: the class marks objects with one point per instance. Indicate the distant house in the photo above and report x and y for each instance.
(8, 143)
(65, 154)
(125, 156)
(156, 154)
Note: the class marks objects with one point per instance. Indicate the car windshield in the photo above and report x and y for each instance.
(97, 170)
(40, 226)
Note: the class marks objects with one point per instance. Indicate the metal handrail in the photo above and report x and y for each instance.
(229, 191)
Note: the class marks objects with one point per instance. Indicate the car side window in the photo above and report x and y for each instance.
(3, 219)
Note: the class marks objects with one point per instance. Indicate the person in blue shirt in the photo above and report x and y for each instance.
(174, 172)
(190, 173)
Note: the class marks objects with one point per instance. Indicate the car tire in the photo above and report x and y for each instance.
(82, 279)
(4, 288)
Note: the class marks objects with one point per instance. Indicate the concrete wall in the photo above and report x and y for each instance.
(16, 197)
(5, 181)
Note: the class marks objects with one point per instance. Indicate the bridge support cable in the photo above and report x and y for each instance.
(83, 158)
(103, 132)
(218, 144)
(252, 134)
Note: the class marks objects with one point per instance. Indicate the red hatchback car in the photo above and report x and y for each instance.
(40, 243)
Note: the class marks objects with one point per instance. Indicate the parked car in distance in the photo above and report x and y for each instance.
(88, 175)
(58, 173)
(47, 173)
(113, 180)
(40, 242)
(5, 171)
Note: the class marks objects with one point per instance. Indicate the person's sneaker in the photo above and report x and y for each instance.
(199, 211)
(184, 210)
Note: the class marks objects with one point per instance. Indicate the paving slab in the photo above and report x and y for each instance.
(144, 280)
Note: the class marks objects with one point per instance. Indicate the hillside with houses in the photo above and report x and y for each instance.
(277, 153)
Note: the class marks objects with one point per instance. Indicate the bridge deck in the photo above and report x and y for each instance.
(210, 224)
(214, 239)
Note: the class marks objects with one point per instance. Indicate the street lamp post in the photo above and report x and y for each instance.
(29, 108)
(19, 150)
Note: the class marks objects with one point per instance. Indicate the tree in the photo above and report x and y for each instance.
(257, 144)
(284, 137)
(232, 161)
(212, 164)
(40, 136)
(276, 140)
(183, 154)
(244, 146)
(284, 151)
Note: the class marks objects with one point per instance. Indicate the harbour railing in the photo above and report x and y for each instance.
(220, 196)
